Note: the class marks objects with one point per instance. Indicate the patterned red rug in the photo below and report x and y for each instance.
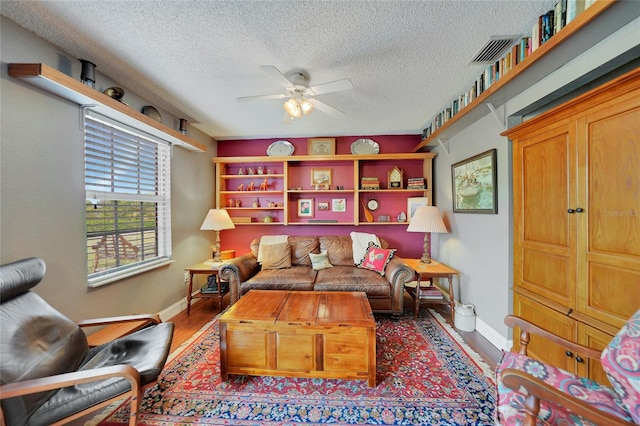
(425, 376)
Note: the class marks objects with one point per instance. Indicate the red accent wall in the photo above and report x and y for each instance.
(409, 244)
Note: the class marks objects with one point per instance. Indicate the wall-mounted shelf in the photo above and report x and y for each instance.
(60, 84)
(570, 42)
(295, 184)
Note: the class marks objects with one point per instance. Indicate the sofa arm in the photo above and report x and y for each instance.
(398, 273)
(237, 271)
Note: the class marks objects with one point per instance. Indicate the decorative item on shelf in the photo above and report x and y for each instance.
(367, 214)
(267, 219)
(88, 73)
(264, 186)
(402, 217)
(240, 187)
(152, 112)
(322, 146)
(305, 207)
(260, 170)
(320, 177)
(427, 219)
(241, 171)
(369, 183)
(384, 218)
(256, 203)
(217, 220)
(395, 178)
(183, 126)
(365, 147)
(116, 93)
(251, 186)
(373, 204)
(238, 203)
(230, 202)
(270, 204)
(416, 183)
(250, 171)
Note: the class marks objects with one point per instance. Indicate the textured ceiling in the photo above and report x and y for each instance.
(406, 59)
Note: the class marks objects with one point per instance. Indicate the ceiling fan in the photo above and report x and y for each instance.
(301, 97)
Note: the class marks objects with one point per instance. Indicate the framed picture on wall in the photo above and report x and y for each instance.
(413, 203)
(305, 207)
(475, 184)
(323, 205)
(322, 146)
(321, 178)
(339, 205)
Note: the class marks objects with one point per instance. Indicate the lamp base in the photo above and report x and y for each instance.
(425, 255)
(425, 258)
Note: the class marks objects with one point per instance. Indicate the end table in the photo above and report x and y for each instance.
(431, 270)
(208, 267)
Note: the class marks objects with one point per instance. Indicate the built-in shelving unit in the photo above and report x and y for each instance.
(571, 41)
(58, 83)
(250, 195)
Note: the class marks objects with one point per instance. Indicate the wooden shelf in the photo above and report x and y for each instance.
(60, 84)
(570, 42)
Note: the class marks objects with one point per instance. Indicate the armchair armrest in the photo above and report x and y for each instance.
(147, 318)
(528, 328)
(538, 390)
(59, 381)
(237, 271)
(117, 327)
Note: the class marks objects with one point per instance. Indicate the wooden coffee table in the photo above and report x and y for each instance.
(299, 334)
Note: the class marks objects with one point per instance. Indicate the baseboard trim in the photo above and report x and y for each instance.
(495, 338)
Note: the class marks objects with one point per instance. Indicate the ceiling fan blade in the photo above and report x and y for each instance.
(326, 108)
(261, 97)
(333, 86)
(277, 75)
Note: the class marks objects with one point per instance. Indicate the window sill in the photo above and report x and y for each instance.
(120, 275)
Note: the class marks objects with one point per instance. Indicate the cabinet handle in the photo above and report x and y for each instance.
(569, 354)
(579, 210)
(571, 211)
(579, 359)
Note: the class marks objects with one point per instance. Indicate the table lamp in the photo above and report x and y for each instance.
(426, 219)
(217, 220)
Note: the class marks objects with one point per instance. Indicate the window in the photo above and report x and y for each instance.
(128, 202)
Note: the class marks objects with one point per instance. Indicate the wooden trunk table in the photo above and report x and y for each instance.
(299, 334)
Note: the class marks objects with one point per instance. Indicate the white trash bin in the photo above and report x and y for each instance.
(465, 318)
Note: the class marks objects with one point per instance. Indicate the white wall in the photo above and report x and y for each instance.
(42, 192)
(480, 245)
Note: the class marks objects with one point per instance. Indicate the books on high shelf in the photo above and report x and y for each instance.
(369, 183)
(416, 183)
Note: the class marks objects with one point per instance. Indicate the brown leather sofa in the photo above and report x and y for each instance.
(385, 293)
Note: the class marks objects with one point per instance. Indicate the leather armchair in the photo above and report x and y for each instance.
(49, 374)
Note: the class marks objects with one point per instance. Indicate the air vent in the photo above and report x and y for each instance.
(494, 48)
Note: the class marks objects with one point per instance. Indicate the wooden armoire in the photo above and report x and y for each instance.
(576, 201)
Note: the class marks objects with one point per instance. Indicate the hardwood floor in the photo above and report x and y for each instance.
(206, 309)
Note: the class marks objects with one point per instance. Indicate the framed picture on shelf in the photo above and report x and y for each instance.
(339, 205)
(321, 146)
(323, 206)
(413, 203)
(475, 185)
(305, 207)
(321, 178)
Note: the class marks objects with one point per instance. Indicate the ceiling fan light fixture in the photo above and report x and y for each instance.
(292, 107)
(307, 106)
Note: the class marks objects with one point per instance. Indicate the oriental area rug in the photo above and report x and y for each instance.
(426, 375)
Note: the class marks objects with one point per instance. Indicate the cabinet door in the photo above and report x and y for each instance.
(544, 230)
(551, 320)
(591, 368)
(609, 227)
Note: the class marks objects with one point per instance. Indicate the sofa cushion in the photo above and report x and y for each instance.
(300, 249)
(376, 258)
(294, 278)
(621, 362)
(350, 278)
(320, 261)
(276, 256)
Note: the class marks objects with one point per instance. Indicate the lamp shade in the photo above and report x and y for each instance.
(217, 220)
(427, 219)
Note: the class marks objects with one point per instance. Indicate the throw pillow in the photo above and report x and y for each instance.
(320, 261)
(376, 258)
(276, 256)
